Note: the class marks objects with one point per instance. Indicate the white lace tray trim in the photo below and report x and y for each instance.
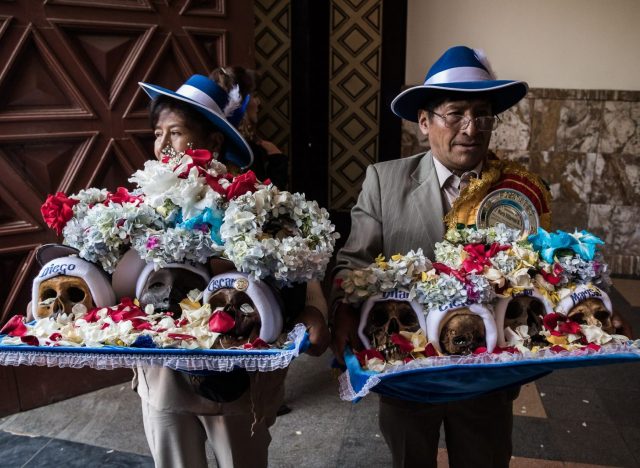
(553, 359)
(202, 360)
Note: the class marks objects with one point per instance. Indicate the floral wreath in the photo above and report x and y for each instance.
(269, 233)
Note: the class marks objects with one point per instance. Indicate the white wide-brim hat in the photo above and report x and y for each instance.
(262, 296)
(395, 295)
(464, 70)
(436, 320)
(210, 99)
(500, 309)
(98, 283)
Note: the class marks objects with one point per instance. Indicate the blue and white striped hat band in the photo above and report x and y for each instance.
(462, 70)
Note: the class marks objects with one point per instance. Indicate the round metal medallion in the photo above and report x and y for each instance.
(241, 284)
(508, 207)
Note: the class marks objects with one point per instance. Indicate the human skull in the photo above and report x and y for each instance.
(592, 311)
(238, 305)
(462, 332)
(60, 294)
(386, 318)
(165, 288)
(525, 310)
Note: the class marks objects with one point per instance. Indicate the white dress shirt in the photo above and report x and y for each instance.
(451, 184)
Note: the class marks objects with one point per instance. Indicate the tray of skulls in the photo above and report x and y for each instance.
(233, 322)
(465, 351)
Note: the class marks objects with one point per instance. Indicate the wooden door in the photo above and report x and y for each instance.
(72, 115)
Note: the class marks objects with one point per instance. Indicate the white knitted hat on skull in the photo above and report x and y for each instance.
(99, 284)
(395, 295)
(500, 309)
(262, 295)
(582, 292)
(436, 320)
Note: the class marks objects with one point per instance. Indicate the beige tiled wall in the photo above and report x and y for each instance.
(586, 145)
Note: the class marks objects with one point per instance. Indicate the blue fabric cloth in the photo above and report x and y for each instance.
(460, 382)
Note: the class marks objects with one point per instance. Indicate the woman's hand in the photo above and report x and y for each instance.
(269, 147)
(345, 331)
(319, 335)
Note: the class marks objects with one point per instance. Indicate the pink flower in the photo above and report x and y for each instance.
(368, 354)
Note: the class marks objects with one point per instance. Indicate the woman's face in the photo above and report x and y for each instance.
(172, 129)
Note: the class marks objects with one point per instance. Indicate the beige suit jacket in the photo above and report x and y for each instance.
(400, 208)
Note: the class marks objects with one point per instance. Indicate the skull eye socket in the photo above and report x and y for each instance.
(407, 317)
(578, 317)
(379, 316)
(156, 286)
(75, 294)
(513, 310)
(49, 294)
(536, 307)
(459, 341)
(602, 316)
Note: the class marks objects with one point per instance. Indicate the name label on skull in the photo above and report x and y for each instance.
(57, 269)
(524, 292)
(583, 295)
(454, 305)
(395, 294)
(240, 284)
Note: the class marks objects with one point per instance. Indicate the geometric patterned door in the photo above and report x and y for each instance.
(71, 112)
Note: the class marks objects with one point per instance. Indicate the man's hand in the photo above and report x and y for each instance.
(319, 335)
(345, 330)
(621, 325)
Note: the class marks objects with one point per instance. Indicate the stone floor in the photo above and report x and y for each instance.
(575, 417)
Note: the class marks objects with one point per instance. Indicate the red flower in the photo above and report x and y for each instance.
(480, 350)
(569, 327)
(258, 343)
(242, 184)
(55, 336)
(479, 257)
(557, 349)
(180, 336)
(506, 349)
(140, 324)
(594, 346)
(30, 340)
(14, 327)
(430, 351)
(221, 322)
(447, 270)
(405, 345)
(368, 354)
(200, 157)
(552, 278)
(92, 316)
(121, 196)
(57, 210)
(550, 321)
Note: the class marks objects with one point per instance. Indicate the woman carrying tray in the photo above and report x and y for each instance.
(233, 410)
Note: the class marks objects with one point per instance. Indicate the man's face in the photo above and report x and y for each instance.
(462, 149)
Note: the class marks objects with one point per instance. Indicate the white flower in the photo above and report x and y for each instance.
(269, 233)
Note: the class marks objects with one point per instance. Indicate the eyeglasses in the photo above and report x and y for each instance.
(455, 121)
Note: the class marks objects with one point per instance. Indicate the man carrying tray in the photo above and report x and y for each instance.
(405, 204)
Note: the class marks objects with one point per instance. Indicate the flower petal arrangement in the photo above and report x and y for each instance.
(476, 266)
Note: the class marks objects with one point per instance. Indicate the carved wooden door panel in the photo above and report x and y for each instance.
(71, 112)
